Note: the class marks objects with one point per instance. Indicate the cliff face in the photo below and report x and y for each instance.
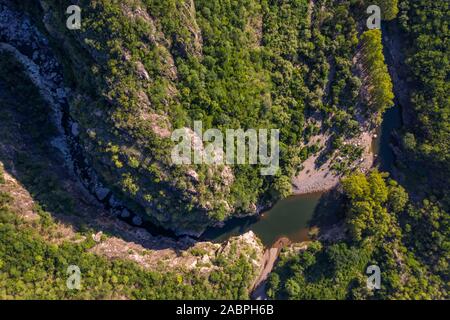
(25, 49)
(123, 137)
(125, 102)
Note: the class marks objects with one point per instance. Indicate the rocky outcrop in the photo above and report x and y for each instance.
(195, 43)
(199, 257)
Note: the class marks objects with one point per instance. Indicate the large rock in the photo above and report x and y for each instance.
(102, 193)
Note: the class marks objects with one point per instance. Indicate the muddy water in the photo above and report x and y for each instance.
(288, 218)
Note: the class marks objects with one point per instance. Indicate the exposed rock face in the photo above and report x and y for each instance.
(255, 29)
(188, 15)
(18, 35)
(200, 257)
(75, 130)
(247, 245)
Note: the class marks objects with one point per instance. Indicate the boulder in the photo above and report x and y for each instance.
(125, 213)
(137, 220)
(101, 193)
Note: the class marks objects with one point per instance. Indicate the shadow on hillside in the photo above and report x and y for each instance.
(329, 211)
(27, 154)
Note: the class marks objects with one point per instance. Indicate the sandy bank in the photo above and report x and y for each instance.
(268, 262)
(314, 178)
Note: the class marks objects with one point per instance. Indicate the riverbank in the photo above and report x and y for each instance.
(289, 218)
(269, 259)
(314, 178)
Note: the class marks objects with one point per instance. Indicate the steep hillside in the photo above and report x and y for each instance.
(49, 222)
(137, 70)
(404, 230)
(91, 124)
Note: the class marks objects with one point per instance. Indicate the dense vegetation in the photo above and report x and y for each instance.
(145, 67)
(140, 68)
(380, 89)
(35, 254)
(389, 8)
(407, 236)
(425, 144)
(375, 218)
(38, 268)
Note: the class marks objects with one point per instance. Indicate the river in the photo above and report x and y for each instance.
(291, 218)
(381, 146)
